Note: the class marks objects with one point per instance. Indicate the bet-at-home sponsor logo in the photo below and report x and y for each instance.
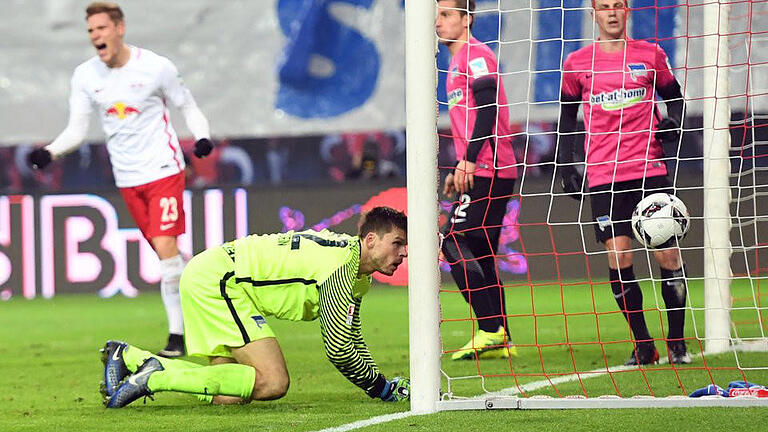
(454, 97)
(618, 99)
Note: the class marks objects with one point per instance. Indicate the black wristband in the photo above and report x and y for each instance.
(378, 386)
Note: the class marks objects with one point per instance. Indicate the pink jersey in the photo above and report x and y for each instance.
(617, 90)
(473, 61)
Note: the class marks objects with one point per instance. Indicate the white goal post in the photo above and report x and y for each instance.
(426, 348)
(717, 196)
(421, 159)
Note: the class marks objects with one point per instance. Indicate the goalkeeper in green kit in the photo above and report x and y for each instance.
(228, 291)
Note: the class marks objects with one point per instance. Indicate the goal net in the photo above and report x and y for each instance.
(567, 340)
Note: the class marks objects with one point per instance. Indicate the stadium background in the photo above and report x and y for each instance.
(276, 175)
(306, 101)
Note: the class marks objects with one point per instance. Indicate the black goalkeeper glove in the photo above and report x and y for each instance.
(571, 181)
(39, 158)
(396, 390)
(668, 131)
(203, 147)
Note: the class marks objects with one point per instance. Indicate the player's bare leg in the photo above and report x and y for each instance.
(171, 266)
(668, 258)
(271, 379)
(266, 357)
(165, 246)
(619, 252)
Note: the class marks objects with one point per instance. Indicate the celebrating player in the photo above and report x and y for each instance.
(483, 180)
(128, 87)
(614, 80)
(228, 291)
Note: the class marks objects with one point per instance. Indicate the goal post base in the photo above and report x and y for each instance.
(610, 402)
(756, 345)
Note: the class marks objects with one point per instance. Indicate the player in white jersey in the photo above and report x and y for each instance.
(129, 87)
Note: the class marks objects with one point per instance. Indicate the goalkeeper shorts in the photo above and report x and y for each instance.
(219, 314)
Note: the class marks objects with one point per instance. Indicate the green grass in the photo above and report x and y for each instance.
(50, 369)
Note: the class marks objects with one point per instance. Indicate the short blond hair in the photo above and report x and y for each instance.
(109, 8)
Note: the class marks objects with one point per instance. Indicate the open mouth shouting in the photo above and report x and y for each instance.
(101, 49)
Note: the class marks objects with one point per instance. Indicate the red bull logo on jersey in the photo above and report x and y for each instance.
(121, 110)
(618, 99)
(637, 70)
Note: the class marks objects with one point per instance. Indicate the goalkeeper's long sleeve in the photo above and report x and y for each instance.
(341, 329)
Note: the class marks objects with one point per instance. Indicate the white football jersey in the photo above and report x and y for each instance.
(131, 103)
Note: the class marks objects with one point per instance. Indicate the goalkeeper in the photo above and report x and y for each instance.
(228, 291)
(615, 80)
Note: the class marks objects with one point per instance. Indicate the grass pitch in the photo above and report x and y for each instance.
(50, 370)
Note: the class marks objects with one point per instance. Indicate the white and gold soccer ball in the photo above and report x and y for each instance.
(660, 220)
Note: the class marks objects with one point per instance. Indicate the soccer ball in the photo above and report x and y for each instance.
(660, 220)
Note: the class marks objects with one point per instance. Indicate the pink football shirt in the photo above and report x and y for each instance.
(617, 90)
(473, 61)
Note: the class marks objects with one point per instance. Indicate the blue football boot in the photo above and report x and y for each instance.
(115, 369)
(135, 386)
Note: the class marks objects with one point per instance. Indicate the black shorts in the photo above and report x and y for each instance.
(473, 210)
(613, 204)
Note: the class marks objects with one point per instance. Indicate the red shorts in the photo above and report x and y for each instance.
(157, 207)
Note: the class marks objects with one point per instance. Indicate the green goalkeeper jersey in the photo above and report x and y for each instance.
(309, 274)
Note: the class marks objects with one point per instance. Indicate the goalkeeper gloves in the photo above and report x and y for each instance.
(396, 390)
(39, 158)
(203, 147)
(668, 131)
(571, 181)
